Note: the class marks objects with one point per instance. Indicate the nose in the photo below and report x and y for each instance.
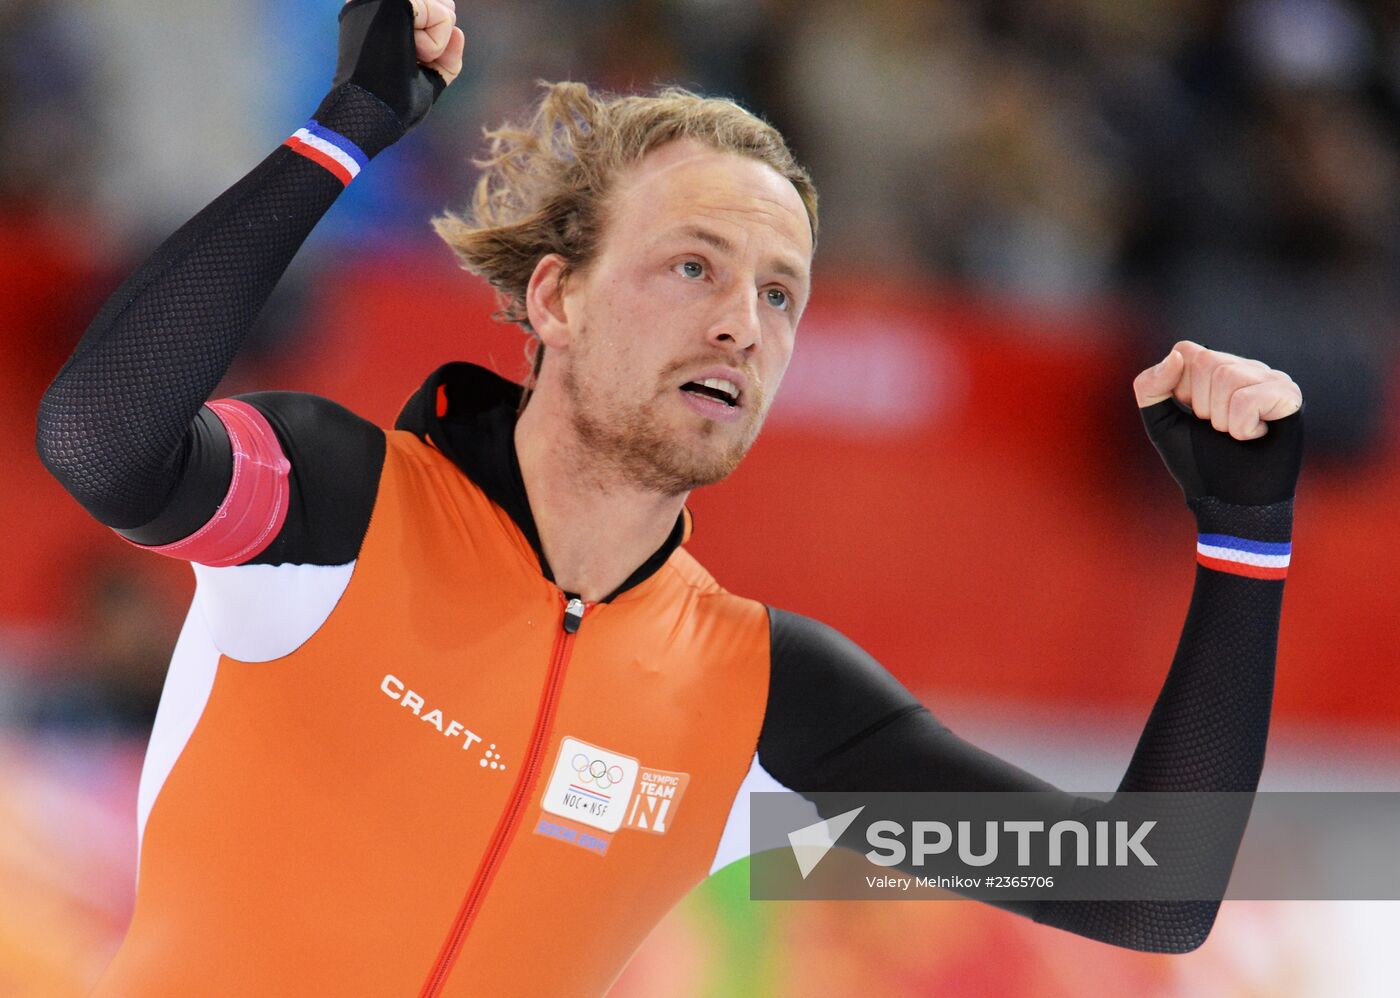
(737, 327)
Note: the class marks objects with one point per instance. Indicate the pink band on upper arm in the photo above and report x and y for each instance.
(253, 511)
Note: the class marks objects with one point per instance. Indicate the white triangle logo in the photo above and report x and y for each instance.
(811, 843)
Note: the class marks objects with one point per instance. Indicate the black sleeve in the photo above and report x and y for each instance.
(121, 424)
(336, 459)
(837, 721)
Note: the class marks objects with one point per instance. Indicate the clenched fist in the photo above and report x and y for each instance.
(405, 52)
(1239, 396)
(1226, 426)
(437, 41)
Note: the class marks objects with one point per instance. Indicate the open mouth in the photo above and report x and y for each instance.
(717, 389)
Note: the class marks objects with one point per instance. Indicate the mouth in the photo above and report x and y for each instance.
(720, 390)
(719, 400)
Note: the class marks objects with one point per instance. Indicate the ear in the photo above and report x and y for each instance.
(544, 302)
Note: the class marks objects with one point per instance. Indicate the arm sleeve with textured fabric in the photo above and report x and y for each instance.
(837, 721)
(124, 426)
(121, 426)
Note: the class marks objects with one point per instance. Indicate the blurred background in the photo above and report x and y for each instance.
(1024, 203)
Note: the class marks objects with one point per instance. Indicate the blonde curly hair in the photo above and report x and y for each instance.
(544, 184)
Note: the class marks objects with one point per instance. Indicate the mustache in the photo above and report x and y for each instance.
(671, 371)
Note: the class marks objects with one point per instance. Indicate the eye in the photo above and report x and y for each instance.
(778, 298)
(692, 269)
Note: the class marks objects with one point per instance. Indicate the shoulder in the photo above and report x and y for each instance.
(694, 575)
(336, 458)
(809, 656)
(825, 688)
(712, 597)
(304, 418)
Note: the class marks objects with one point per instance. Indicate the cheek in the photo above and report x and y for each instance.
(638, 289)
(633, 318)
(780, 356)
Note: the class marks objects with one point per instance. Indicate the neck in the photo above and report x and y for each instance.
(595, 530)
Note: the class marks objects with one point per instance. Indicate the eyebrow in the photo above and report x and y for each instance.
(722, 244)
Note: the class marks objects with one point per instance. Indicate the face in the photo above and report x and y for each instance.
(680, 329)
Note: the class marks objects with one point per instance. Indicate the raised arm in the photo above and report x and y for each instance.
(837, 721)
(124, 427)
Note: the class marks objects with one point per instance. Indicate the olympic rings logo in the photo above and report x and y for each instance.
(595, 772)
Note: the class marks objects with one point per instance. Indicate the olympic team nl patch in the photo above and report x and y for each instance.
(606, 790)
(655, 802)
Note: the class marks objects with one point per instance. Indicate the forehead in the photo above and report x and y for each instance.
(688, 182)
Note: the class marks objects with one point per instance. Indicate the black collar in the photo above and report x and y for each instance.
(469, 414)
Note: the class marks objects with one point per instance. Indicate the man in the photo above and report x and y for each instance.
(453, 711)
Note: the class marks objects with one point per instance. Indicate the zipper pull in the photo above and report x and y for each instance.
(573, 615)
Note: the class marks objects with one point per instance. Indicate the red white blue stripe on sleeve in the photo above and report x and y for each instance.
(1241, 556)
(329, 149)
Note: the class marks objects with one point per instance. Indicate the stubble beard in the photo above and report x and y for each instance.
(631, 446)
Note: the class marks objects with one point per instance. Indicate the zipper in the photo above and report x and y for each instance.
(524, 785)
